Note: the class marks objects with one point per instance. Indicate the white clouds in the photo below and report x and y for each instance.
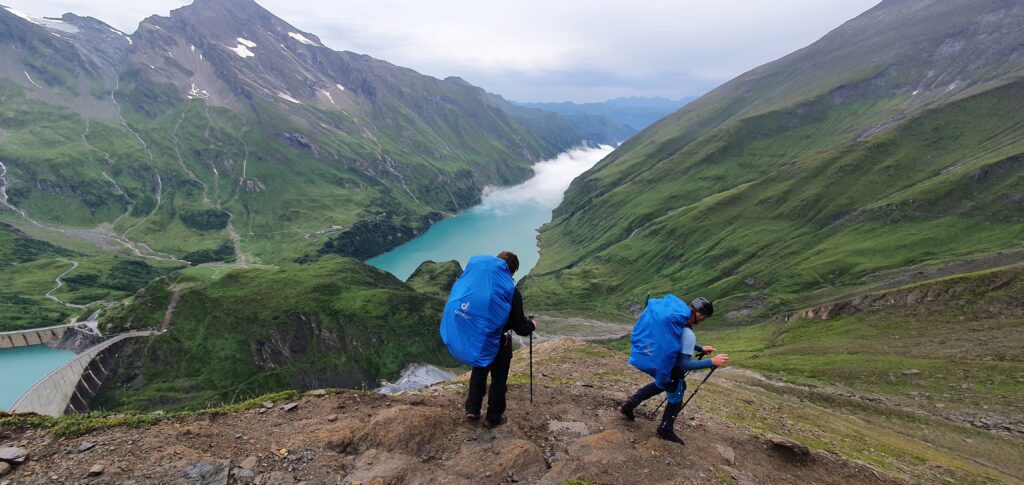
(544, 50)
(547, 187)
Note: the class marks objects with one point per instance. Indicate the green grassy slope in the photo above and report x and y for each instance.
(31, 265)
(818, 171)
(238, 333)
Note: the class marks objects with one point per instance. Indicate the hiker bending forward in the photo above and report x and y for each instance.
(663, 346)
(483, 307)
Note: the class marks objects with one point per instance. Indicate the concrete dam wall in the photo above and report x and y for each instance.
(35, 336)
(70, 387)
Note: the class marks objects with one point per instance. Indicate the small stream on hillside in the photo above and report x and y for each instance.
(506, 219)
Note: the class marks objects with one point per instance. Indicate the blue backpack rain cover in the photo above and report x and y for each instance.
(477, 310)
(657, 338)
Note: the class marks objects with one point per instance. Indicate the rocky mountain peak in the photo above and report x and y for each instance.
(229, 51)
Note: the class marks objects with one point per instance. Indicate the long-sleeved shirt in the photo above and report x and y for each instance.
(517, 321)
(690, 347)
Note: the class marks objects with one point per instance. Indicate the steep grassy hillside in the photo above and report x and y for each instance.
(222, 133)
(238, 333)
(893, 142)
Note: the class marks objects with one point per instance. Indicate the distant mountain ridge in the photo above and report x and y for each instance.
(891, 145)
(224, 113)
(558, 128)
(634, 112)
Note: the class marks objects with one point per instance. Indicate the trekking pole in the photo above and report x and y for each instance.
(695, 391)
(700, 355)
(531, 363)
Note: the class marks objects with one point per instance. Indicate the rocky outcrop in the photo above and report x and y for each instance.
(992, 294)
(435, 278)
(366, 239)
(76, 341)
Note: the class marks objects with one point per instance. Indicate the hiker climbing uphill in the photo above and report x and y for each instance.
(483, 306)
(663, 346)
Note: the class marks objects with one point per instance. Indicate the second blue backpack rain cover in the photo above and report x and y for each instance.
(477, 310)
(657, 338)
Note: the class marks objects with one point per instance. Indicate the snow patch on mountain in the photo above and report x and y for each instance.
(328, 94)
(31, 81)
(289, 98)
(301, 38)
(340, 87)
(242, 51)
(118, 32)
(246, 42)
(45, 22)
(195, 93)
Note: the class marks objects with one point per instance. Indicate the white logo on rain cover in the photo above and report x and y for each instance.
(464, 311)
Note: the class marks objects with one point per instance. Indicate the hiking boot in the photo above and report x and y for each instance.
(472, 417)
(626, 410)
(666, 429)
(493, 424)
(668, 434)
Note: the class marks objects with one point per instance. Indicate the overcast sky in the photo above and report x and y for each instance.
(542, 50)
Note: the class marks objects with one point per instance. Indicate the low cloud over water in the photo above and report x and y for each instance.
(547, 187)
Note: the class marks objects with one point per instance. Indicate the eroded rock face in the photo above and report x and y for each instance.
(516, 458)
(209, 472)
(410, 429)
(387, 468)
(786, 445)
(340, 436)
(597, 455)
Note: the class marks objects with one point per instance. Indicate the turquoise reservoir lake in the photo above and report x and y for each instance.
(22, 367)
(506, 219)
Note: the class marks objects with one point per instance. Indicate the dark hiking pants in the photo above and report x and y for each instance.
(676, 388)
(499, 383)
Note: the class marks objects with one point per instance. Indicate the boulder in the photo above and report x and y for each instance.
(208, 472)
(5, 468)
(290, 406)
(386, 468)
(339, 437)
(96, 470)
(606, 447)
(242, 475)
(12, 455)
(249, 462)
(727, 454)
(794, 448)
(517, 458)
